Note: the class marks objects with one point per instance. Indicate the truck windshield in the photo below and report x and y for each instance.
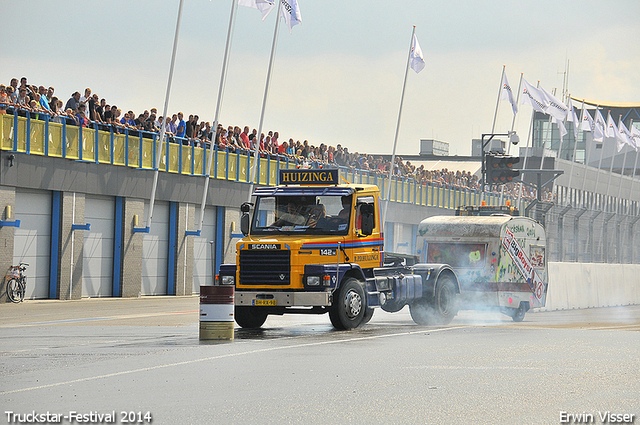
(457, 254)
(318, 215)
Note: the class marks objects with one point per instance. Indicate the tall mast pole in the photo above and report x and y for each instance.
(395, 140)
(495, 114)
(217, 114)
(256, 157)
(164, 114)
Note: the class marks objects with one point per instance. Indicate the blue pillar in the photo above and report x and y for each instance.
(56, 202)
(117, 246)
(171, 257)
(219, 244)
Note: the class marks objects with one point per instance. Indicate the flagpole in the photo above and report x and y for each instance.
(164, 114)
(624, 161)
(633, 172)
(526, 152)
(611, 166)
(217, 114)
(586, 160)
(575, 142)
(495, 114)
(256, 157)
(395, 140)
(513, 121)
(549, 133)
(601, 154)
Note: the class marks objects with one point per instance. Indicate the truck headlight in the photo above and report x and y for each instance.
(228, 280)
(313, 280)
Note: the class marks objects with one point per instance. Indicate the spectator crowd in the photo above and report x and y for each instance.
(91, 111)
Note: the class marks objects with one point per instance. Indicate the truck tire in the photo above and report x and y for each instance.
(368, 314)
(350, 305)
(439, 310)
(250, 317)
(518, 313)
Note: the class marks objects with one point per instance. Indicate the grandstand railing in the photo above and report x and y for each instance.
(37, 134)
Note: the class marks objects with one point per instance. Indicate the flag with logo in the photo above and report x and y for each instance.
(599, 126)
(635, 137)
(573, 117)
(416, 61)
(555, 107)
(611, 130)
(533, 96)
(264, 6)
(507, 94)
(624, 137)
(575, 120)
(587, 123)
(290, 11)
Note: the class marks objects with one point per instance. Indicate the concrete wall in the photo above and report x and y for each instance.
(7, 199)
(71, 247)
(131, 269)
(587, 285)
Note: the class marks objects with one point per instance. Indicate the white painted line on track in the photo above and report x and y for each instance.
(244, 353)
(96, 319)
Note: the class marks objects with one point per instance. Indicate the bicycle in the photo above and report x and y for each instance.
(16, 282)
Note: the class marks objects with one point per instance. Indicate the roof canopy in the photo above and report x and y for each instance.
(606, 104)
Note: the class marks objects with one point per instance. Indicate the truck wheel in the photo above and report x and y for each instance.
(422, 312)
(518, 314)
(368, 314)
(437, 311)
(445, 303)
(250, 317)
(350, 305)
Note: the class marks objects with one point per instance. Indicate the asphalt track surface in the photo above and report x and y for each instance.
(103, 356)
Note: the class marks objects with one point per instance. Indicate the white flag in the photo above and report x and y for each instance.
(598, 127)
(416, 61)
(507, 94)
(569, 114)
(611, 131)
(586, 122)
(561, 128)
(531, 95)
(576, 123)
(624, 137)
(264, 6)
(291, 13)
(635, 137)
(573, 117)
(555, 107)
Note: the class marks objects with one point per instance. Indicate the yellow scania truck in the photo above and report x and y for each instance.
(312, 246)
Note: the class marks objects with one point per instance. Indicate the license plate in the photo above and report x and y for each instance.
(265, 302)
(331, 252)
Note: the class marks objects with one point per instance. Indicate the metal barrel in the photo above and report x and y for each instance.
(216, 312)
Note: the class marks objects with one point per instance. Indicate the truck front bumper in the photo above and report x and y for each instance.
(282, 299)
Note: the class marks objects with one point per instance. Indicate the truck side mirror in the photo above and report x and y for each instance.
(367, 224)
(244, 220)
(244, 224)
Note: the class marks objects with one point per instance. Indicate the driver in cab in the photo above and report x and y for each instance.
(291, 217)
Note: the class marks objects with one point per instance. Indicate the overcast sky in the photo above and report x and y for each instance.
(338, 77)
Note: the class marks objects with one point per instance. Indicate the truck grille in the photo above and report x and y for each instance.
(268, 267)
